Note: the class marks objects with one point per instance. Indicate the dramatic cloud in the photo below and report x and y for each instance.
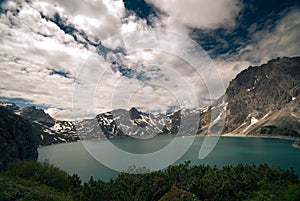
(281, 40)
(278, 38)
(200, 13)
(99, 55)
(101, 19)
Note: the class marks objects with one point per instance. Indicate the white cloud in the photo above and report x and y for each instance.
(41, 63)
(205, 14)
(9, 5)
(282, 40)
(266, 44)
(101, 19)
(229, 69)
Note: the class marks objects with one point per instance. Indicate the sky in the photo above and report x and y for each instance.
(78, 58)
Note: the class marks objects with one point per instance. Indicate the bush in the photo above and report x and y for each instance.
(43, 173)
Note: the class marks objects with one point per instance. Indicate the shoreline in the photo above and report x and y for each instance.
(294, 139)
(262, 136)
(282, 137)
(296, 144)
(257, 136)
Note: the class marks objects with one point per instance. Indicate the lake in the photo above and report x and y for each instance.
(74, 157)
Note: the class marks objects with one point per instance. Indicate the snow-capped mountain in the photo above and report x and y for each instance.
(115, 123)
(135, 123)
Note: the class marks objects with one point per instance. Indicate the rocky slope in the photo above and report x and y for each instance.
(265, 99)
(17, 139)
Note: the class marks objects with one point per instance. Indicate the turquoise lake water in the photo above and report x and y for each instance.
(74, 157)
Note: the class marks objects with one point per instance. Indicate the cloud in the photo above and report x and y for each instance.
(203, 14)
(276, 39)
(101, 19)
(117, 60)
(39, 61)
(46, 51)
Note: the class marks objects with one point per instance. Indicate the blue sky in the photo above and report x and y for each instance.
(95, 56)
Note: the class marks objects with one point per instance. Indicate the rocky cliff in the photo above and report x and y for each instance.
(17, 140)
(46, 129)
(265, 99)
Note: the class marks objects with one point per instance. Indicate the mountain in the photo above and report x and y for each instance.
(265, 99)
(17, 139)
(261, 100)
(46, 129)
(115, 123)
(37, 115)
(133, 122)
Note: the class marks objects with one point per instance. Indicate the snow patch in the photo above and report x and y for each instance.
(18, 112)
(250, 89)
(253, 121)
(204, 109)
(61, 139)
(294, 114)
(5, 104)
(48, 131)
(265, 116)
(243, 124)
(56, 127)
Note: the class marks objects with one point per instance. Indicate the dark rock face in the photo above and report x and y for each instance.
(17, 141)
(9, 106)
(264, 99)
(46, 130)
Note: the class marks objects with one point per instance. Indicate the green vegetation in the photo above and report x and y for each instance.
(176, 194)
(41, 181)
(15, 188)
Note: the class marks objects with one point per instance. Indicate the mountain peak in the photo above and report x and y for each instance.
(134, 113)
(38, 115)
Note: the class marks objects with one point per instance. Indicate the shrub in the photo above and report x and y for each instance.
(43, 173)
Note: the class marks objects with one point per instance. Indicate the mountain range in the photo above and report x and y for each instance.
(261, 100)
